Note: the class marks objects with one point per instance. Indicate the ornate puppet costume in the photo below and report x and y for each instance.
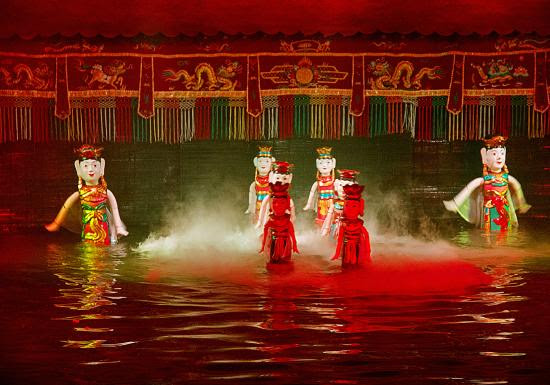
(324, 186)
(277, 214)
(353, 238)
(259, 189)
(95, 222)
(490, 202)
(332, 220)
(99, 219)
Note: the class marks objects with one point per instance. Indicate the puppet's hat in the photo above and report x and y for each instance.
(282, 167)
(495, 142)
(324, 152)
(87, 151)
(350, 175)
(264, 152)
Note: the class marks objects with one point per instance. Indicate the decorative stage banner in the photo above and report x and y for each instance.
(541, 82)
(503, 72)
(62, 107)
(456, 88)
(320, 73)
(254, 105)
(204, 76)
(407, 73)
(358, 86)
(146, 88)
(96, 75)
(178, 89)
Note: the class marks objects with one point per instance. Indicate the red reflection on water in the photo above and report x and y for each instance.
(280, 309)
(407, 276)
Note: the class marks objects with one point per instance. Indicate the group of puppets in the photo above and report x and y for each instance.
(490, 202)
(337, 202)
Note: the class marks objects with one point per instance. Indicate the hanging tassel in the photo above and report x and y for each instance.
(409, 115)
(338, 119)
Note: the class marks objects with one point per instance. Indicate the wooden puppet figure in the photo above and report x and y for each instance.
(277, 215)
(99, 219)
(353, 245)
(259, 189)
(323, 188)
(491, 201)
(335, 210)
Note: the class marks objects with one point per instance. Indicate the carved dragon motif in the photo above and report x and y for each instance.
(22, 75)
(403, 73)
(204, 76)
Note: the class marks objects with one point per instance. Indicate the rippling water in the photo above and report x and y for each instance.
(470, 310)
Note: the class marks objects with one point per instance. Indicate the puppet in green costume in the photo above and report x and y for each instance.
(491, 201)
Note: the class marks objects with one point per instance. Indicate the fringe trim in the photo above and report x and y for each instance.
(325, 117)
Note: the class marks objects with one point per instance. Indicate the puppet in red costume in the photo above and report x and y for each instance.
(96, 218)
(353, 244)
(277, 214)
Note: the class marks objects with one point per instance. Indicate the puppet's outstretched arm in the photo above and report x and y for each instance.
(119, 226)
(454, 203)
(263, 215)
(251, 199)
(62, 214)
(309, 205)
(325, 229)
(517, 194)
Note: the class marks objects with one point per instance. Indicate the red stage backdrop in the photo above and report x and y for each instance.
(252, 87)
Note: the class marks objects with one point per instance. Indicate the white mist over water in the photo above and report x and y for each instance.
(212, 235)
(210, 239)
(223, 234)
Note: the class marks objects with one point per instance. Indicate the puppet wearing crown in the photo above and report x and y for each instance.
(99, 219)
(492, 200)
(353, 245)
(259, 189)
(324, 186)
(277, 214)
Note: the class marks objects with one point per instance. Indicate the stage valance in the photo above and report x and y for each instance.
(254, 88)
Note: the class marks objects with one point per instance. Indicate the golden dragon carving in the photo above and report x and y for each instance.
(22, 75)
(204, 77)
(384, 79)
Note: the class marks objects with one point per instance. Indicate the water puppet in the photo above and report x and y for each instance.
(97, 214)
(322, 191)
(491, 201)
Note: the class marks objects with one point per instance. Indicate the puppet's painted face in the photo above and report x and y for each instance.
(325, 165)
(263, 164)
(339, 187)
(275, 177)
(495, 158)
(90, 171)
